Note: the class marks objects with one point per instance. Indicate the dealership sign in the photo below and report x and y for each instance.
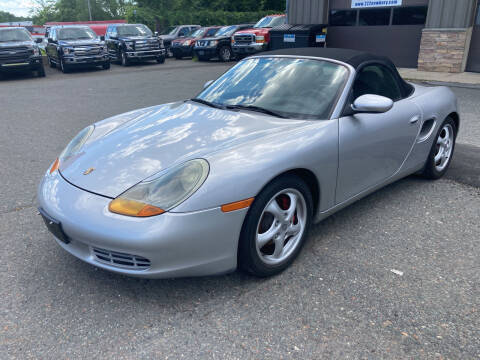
(374, 3)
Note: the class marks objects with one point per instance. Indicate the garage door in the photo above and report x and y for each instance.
(473, 63)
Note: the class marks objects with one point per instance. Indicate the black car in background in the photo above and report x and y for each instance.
(133, 42)
(184, 46)
(73, 45)
(18, 51)
(219, 46)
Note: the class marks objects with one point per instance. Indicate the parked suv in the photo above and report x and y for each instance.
(133, 42)
(175, 32)
(73, 45)
(257, 38)
(19, 51)
(219, 45)
(184, 46)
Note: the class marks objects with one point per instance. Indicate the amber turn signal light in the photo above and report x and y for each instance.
(237, 205)
(55, 166)
(133, 208)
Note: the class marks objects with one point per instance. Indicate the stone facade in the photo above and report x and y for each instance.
(444, 50)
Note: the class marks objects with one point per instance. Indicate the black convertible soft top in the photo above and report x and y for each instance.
(355, 58)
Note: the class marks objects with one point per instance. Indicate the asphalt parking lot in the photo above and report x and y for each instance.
(340, 299)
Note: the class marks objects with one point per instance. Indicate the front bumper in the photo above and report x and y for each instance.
(251, 48)
(176, 244)
(145, 55)
(93, 59)
(31, 63)
(205, 52)
(182, 50)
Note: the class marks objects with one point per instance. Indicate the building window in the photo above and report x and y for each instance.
(343, 17)
(410, 15)
(372, 17)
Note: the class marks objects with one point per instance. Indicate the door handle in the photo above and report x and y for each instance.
(414, 119)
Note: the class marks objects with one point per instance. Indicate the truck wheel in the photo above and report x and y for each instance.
(225, 53)
(106, 65)
(64, 67)
(161, 59)
(125, 61)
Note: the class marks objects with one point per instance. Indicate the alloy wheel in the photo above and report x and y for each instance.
(444, 147)
(281, 226)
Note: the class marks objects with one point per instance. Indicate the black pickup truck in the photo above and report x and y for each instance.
(133, 42)
(74, 45)
(218, 46)
(18, 51)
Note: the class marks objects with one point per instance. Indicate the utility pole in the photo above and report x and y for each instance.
(89, 10)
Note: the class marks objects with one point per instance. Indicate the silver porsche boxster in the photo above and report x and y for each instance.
(234, 177)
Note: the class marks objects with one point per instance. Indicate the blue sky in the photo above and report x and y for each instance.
(17, 7)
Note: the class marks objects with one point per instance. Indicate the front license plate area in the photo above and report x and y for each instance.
(54, 226)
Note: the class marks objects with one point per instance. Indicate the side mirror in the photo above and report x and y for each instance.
(207, 84)
(155, 33)
(372, 104)
(38, 40)
(102, 38)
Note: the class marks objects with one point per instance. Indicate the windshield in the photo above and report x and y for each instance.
(198, 33)
(170, 30)
(76, 34)
(270, 21)
(295, 88)
(226, 31)
(134, 30)
(7, 35)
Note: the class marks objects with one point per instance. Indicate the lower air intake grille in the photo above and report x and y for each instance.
(122, 260)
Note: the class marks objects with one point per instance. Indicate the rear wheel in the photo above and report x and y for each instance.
(442, 151)
(275, 227)
(225, 53)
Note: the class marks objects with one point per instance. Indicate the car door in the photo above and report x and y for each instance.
(373, 146)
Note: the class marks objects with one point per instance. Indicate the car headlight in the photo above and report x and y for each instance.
(68, 51)
(162, 193)
(260, 39)
(213, 43)
(187, 42)
(73, 147)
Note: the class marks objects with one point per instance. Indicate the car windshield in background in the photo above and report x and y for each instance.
(270, 21)
(296, 88)
(226, 31)
(197, 33)
(76, 34)
(8, 35)
(170, 30)
(134, 30)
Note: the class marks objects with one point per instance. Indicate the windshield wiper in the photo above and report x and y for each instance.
(256, 108)
(209, 103)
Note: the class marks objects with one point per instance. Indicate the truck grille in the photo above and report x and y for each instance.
(15, 54)
(244, 38)
(87, 50)
(126, 261)
(145, 46)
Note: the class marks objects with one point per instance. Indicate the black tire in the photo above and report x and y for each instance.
(64, 67)
(124, 59)
(225, 53)
(41, 71)
(161, 59)
(177, 57)
(51, 63)
(430, 170)
(249, 259)
(106, 65)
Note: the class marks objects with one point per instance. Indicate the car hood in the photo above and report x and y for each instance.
(156, 138)
(79, 42)
(217, 38)
(130, 38)
(15, 44)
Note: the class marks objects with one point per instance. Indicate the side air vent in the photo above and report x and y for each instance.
(126, 261)
(427, 129)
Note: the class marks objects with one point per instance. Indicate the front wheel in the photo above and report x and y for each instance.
(64, 67)
(161, 59)
(41, 71)
(124, 58)
(106, 65)
(442, 151)
(275, 227)
(225, 53)
(51, 63)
